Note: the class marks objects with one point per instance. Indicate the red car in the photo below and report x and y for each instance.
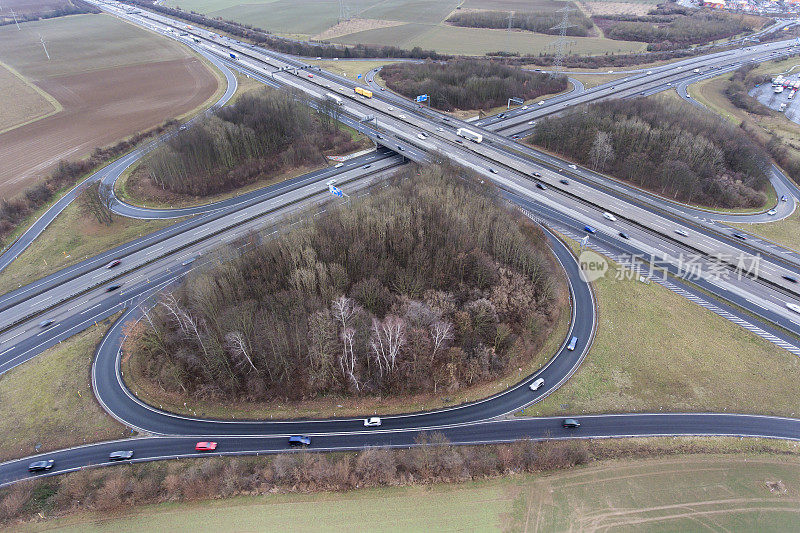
(113, 263)
(310, 75)
(205, 446)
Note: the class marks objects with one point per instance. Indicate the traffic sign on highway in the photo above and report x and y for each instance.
(422, 98)
(336, 191)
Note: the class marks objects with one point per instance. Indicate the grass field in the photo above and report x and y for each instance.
(351, 69)
(716, 492)
(30, 102)
(72, 237)
(593, 80)
(421, 24)
(48, 401)
(785, 232)
(477, 41)
(656, 351)
(81, 43)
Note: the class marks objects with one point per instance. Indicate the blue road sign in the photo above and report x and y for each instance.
(359, 77)
(422, 98)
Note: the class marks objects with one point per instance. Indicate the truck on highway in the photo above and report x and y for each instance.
(363, 92)
(334, 98)
(468, 134)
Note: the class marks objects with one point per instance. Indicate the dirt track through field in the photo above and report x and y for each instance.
(100, 108)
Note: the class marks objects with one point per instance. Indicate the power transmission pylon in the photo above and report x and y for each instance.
(15, 19)
(41, 39)
(344, 11)
(562, 40)
(508, 31)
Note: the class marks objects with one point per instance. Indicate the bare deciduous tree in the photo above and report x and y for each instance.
(441, 332)
(237, 345)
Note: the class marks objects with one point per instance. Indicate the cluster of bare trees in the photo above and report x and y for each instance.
(262, 133)
(669, 30)
(423, 286)
(738, 88)
(693, 157)
(538, 21)
(433, 461)
(469, 83)
(96, 200)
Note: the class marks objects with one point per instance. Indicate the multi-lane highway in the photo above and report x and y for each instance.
(531, 179)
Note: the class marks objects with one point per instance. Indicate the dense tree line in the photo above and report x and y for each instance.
(669, 31)
(468, 83)
(427, 285)
(434, 460)
(14, 210)
(264, 132)
(289, 46)
(538, 21)
(693, 157)
(737, 90)
(70, 7)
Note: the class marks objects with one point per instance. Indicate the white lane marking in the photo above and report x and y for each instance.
(92, 307)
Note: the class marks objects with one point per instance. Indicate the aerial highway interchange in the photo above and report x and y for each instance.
(76, 297)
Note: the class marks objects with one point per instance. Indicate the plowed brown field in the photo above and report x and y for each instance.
(105, 99)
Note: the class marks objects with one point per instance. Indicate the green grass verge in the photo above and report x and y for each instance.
(593, 80)
(784, 232)
(656, 351)
(72, 237)
(48, 401)
(349, 69)
(746, 493)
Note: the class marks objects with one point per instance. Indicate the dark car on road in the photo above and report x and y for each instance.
(572, 343)
(540, 185)
(112, 288)
(299, 440)
(589, 229)
(570, 423)
(790, 278)
(41, 466)
(120, 455)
